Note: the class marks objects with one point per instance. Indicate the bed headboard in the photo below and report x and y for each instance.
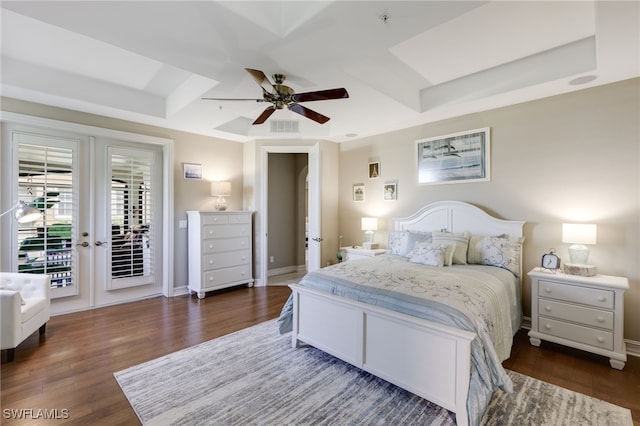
(458, 216)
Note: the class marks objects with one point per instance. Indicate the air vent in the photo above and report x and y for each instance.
(284, 126)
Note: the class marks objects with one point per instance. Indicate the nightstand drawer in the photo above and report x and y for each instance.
(572, 293)
(577, 333)
(579, 314)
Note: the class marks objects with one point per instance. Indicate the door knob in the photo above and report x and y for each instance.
(83, 244)
(317, 239)
(99, 243)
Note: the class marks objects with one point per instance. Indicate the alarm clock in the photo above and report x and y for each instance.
(550, 261)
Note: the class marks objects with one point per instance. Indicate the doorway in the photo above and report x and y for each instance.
(312, 220)
(86, 187)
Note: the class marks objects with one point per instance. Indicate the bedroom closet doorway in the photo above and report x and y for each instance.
(292, 212)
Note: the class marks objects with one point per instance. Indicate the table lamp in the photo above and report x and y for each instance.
(221, 189)
(369, 226)
(579, 234)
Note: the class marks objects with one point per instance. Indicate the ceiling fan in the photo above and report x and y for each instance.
(280, 96)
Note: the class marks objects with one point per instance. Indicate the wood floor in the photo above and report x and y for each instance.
(69, 372)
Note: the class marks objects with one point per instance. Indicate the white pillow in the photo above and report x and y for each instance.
(496, 251)
(401, 243)
(459, 242)
(429, 254)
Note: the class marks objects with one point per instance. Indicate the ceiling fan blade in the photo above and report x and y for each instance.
(233, 99)
(262, 80)
(265, 114)
(315, 116)
(321, 95)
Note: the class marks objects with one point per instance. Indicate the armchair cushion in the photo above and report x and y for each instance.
(25, 306)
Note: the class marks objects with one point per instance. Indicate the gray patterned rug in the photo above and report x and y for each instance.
(254, 377)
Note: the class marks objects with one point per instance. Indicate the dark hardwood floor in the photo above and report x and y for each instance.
(71, 368)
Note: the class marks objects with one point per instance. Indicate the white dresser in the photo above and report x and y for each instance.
(220, 253)
(586, 313)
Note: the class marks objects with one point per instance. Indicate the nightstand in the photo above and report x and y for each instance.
(585, 313)
(351, 253)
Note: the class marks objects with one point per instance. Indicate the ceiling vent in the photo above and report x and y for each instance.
(284, 126)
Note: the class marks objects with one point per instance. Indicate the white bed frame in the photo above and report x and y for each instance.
(428, 359)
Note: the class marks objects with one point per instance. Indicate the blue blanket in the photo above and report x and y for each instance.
(477, 298)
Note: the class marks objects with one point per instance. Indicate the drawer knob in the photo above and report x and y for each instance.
(210, 246)
(600, 318)
(210, 278)
(242, 273)
(547, 326)
(600, 339)
(547, 289)
(211, 262)
(547, 308)
(602, 299)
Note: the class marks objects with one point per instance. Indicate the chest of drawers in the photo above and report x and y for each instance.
(220, 250)
(586, 313)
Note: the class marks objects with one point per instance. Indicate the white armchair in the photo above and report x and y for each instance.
(25, 306)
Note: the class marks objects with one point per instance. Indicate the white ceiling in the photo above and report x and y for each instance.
(403, 62)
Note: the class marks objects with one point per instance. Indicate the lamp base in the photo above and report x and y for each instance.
(370, 246)
(581, 270)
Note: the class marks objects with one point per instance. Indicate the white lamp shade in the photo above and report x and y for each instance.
(579, 233)
(369, 224)
(220, 188)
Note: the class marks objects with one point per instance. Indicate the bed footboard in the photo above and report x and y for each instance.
(428, 359)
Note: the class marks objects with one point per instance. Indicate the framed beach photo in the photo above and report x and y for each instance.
(358, 192)
(456, 158)
(192, 171)
(390, 191)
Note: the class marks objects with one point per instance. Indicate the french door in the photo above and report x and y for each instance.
(100, 234)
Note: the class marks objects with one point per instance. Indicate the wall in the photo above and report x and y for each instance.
(569, 158)
(220, 159)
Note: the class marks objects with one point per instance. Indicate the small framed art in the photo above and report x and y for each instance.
(374, 170)
(192, 171)
(390, 191)
(358, 192)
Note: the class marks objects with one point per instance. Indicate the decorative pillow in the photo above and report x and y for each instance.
(496, 251)
(429, 254)
(401, 243)
(459, 242)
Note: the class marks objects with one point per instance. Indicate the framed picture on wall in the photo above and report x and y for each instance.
(192, 171)
(374, 170)
(456, 158)
(358, 192)
(390, 191)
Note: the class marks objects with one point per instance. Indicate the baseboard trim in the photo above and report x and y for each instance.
(283, 270)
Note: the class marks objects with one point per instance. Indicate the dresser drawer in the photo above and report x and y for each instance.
(227, 275)
(224, 260)
(577, 294)
(218, 219)
(224, 244)
(215, 231)
(577, 333)
(580, 314)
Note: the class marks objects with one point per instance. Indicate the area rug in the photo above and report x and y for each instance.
(255, 377)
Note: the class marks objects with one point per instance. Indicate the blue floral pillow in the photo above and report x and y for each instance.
(431, 254)
(401, 243)
(503, 252)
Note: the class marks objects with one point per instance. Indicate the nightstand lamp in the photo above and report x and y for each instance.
(369, 226)
(221, 189)
(579, 234)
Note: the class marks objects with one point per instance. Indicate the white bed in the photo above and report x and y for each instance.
(438, 366)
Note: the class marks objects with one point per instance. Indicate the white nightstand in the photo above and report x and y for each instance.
(351, 253)
(585, 313)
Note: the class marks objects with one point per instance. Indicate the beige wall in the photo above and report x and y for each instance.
(570, 158)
